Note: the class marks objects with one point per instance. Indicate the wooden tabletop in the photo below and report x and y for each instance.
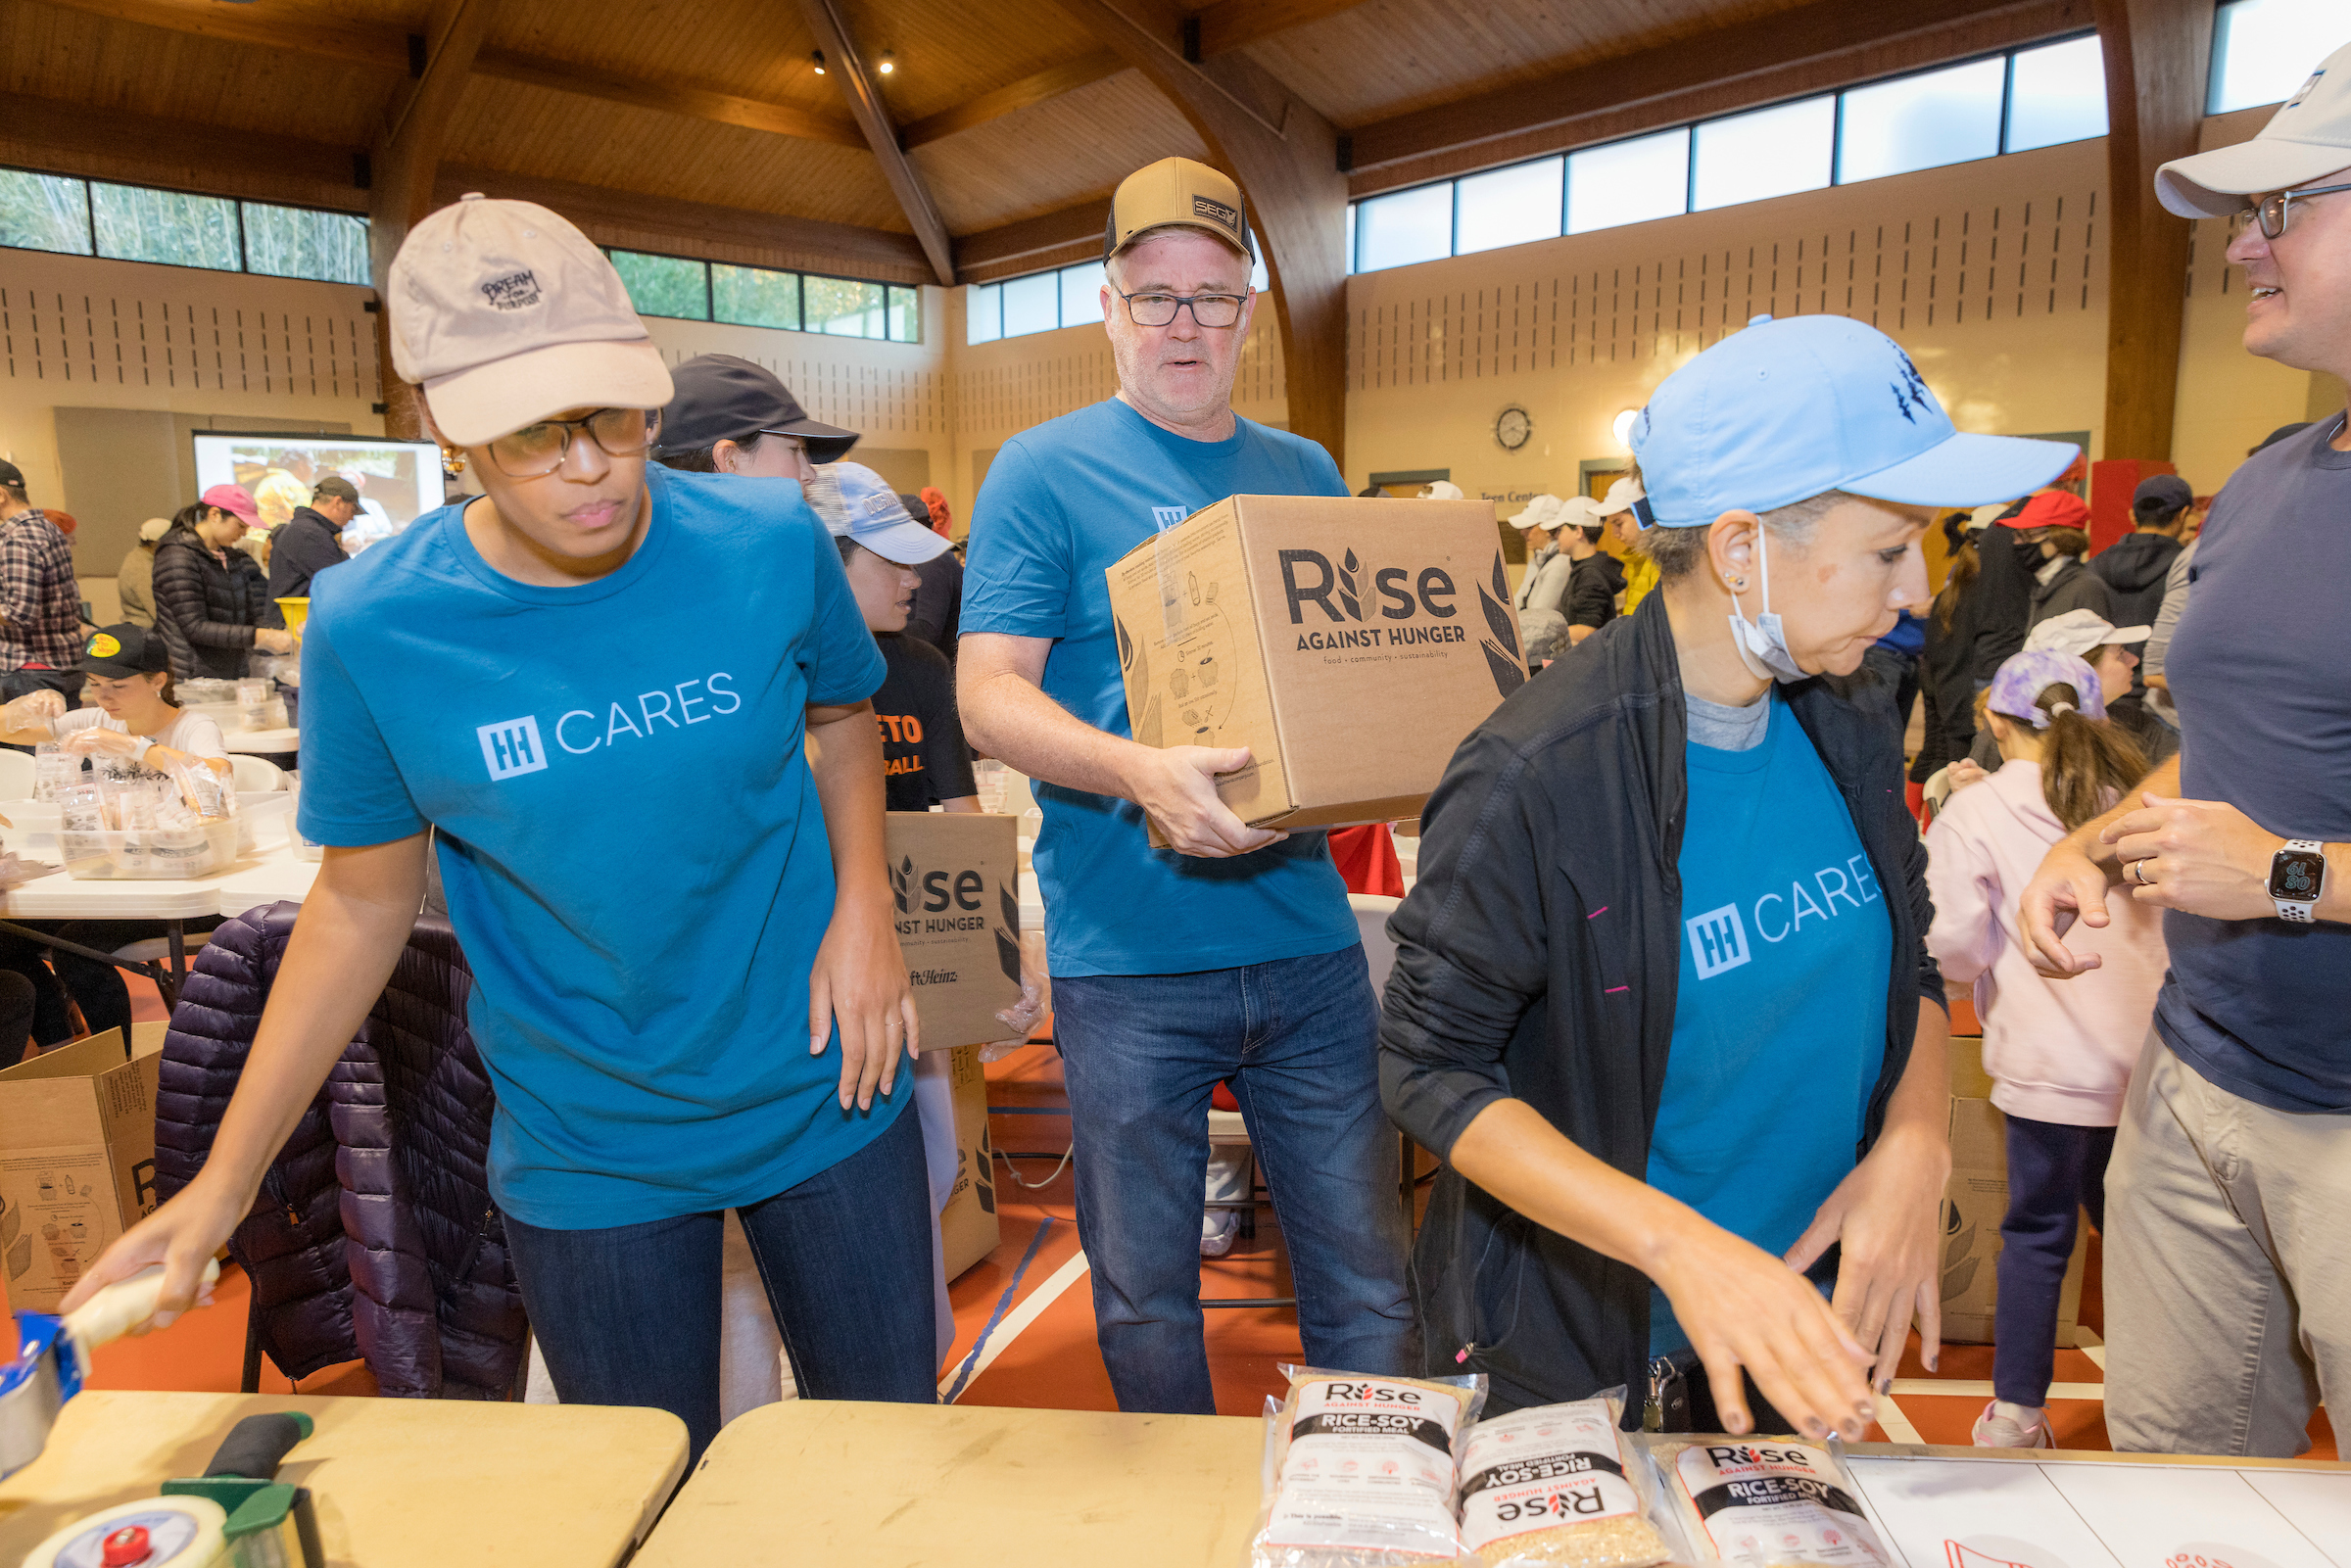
(821, 1482)
(396, 1483)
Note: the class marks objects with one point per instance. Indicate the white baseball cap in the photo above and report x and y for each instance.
(2308, 136)
(505, 314)
(1578, 511)
(2078, 631)
(1540, 512)
(1442, 489)
(1621, 495)
(856, 503)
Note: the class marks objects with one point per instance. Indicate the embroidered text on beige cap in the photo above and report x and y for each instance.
(505, 314)
(1178, 193)
(2307, 139)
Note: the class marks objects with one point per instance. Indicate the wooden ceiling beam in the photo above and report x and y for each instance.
(1232, 24)
(1051, 239)
(1816, 35)
(1012, 97)
(849, 68)
(317, 31)
(694, 102)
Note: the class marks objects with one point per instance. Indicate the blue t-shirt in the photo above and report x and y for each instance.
(1061, 504)
(634, 855)
(2260, 1007)
(1779, 1023)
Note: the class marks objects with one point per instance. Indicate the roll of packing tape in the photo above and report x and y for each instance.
(151, 1533)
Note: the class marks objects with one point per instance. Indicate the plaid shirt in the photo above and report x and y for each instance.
(40, 603)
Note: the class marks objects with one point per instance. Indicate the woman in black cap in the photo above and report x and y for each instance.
(133, 727)
(731, 416)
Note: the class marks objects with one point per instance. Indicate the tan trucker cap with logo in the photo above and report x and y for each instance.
(1177, 192)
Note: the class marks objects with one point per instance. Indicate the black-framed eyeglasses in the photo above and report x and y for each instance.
(1159, 309)
(539, 449)
(2273, 210)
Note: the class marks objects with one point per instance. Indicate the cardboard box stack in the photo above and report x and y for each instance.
(1349, 644)
(76, 1158)
(1974, 1204)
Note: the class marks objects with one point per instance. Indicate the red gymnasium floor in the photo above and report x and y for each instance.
(1041, 1351)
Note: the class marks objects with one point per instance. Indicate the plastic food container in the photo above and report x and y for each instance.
(149, 854)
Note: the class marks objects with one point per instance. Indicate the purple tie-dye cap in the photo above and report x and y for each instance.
(2017, 687)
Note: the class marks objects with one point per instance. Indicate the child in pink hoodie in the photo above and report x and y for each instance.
(2059, 1052)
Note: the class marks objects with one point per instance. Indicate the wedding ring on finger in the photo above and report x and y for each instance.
(2139, 874)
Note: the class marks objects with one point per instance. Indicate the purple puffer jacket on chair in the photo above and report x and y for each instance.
(374, 1236)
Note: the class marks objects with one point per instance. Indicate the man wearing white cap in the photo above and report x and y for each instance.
(2227, 1280)
(1596, 577)
(1233, 955)
(1616, 515)
(1545, 585)
(653, 884)
(1661, 998)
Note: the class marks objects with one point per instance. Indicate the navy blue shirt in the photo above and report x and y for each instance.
(2260, 1007)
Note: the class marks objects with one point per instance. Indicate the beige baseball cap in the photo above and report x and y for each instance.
(505, 314)
(1177, 192)
(2308, 136)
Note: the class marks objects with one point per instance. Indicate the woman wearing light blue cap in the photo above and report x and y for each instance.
(1658, 992)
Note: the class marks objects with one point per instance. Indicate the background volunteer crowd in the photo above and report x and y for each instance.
(1671, 992)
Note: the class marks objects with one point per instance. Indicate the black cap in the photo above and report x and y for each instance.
(126, 650)
(11, 475)
(334, 487)
(721, 397)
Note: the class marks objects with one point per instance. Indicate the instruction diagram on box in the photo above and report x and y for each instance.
(2016, 1513)
(53, 1219)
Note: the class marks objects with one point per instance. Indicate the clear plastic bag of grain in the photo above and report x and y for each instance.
(1359, 1471)
(1554, 1486)
(1769, 1502)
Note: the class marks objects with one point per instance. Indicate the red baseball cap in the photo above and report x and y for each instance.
(2052, 508)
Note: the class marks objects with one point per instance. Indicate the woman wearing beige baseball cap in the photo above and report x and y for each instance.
(655, 884)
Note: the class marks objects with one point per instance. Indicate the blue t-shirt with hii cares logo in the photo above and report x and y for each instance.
(1061, 504)
(635, 858)
(1779, 1023)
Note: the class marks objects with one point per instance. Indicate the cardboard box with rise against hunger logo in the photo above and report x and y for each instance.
(954, 877)
(1349, 644)
(76, 1158)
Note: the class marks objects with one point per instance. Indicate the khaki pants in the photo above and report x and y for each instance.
(2227, 1267)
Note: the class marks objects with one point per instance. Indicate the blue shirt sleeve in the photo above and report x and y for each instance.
(839, 658)
(1015, 577)
(354, 795)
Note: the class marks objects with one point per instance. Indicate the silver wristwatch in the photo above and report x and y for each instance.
(2298, 878)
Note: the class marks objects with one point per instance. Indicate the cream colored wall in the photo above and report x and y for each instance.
(1992, 274)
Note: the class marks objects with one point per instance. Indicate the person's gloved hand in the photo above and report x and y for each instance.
(99, 739)
(33, 711)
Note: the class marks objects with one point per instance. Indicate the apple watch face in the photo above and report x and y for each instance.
(2295, 875)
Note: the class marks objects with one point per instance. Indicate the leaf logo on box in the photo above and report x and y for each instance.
(1503, 658)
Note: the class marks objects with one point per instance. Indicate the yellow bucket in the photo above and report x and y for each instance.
(297, 611)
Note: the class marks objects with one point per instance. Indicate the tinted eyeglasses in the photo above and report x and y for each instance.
(541, 449)
(2274, 210)
(1159, 309)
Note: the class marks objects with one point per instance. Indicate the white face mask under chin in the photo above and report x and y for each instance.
(1763, 643)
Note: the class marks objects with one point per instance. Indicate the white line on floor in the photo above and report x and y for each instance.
(1019, 1318)
(1974, 1389)
(1897, 1424)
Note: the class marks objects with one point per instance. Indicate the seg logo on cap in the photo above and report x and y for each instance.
(514, 292)
(1215, 212)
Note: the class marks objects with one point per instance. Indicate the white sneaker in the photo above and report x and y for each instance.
(2012, 1426)
(1217, 1228)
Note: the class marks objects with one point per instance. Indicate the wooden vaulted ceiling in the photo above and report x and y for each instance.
(703, 125)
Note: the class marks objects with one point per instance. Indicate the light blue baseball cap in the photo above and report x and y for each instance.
(1786, 411)
(857, 504)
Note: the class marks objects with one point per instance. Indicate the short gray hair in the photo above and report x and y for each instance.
(1678, 551)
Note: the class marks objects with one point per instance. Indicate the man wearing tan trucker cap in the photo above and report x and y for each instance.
(2227, 1277)
(1235, 955)
(687, 988)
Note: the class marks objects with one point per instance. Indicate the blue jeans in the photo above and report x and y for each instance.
(2055, 1171)
(628, 1315)
(1297, 1038)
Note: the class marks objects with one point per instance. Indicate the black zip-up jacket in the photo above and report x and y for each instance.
(1538, 957)
(1592, 589)
(305, 547)
(207, 605)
